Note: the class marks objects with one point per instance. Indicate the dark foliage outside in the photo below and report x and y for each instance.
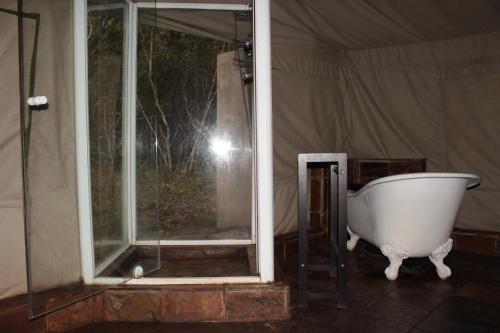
(176, 98)
(105, 58)
(177, 80)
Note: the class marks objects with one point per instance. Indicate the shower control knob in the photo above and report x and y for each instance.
(37, 101)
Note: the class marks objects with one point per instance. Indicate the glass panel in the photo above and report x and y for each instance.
(49, 161)
(106, 35)
(204, 123)
(111, 140)
(146, 148)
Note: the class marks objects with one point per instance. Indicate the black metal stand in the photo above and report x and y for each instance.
(338, 228)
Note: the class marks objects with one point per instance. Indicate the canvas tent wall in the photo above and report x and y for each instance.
(373, 78)
(52, 163)
(434, 100)
(408, 79)
(11, 215)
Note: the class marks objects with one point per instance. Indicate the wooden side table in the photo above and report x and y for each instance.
(338, 227)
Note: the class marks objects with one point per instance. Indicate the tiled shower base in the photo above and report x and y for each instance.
(189, 261)
(166, 303)
(180, 303)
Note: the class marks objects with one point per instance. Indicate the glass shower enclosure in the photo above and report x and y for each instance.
(141, 134)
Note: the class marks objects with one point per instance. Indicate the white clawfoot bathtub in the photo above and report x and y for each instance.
(409, 215)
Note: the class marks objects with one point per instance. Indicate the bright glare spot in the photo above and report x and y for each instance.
(220, 148)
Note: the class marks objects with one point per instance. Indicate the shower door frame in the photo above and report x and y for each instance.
(89, 269)
(186, 6)
(262, 181)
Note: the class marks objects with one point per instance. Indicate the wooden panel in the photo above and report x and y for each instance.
(476, 242)
(363, 171)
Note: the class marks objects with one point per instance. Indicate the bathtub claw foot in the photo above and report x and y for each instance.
(353, 240)
(437, 258)
(396, 254)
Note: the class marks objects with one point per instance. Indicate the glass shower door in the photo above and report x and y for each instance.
(57, 250)
(54, 262)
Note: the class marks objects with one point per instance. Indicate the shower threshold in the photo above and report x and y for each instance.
(178, 263)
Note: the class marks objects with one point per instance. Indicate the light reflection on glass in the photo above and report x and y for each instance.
(221, 148)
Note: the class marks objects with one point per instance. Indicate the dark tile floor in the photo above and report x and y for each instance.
(469, 301)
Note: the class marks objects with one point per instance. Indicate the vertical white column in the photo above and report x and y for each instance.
(263, 105)
(81, 132)
(132, 26)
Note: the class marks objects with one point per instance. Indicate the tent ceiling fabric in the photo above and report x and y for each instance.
(361, 24)
(193, 22)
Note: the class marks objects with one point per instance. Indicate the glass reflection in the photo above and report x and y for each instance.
(106, 33)
(204, 123)
(221, 148)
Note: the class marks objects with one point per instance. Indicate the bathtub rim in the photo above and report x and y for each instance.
(474, 180)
